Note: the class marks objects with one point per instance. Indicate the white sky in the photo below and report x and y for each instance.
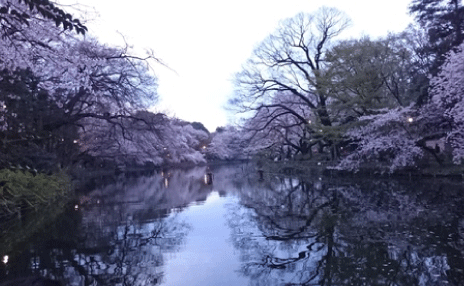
(207, 41)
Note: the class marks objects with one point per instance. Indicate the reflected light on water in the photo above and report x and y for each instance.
(5, 259)
(166, 182)
(208, 178)
(213, 196)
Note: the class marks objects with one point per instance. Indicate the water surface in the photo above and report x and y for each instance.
(227, 226)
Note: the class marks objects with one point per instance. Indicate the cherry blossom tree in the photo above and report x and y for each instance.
(448, 96)
(282, 130)
(77, 82)
(227, 143)
(130, 142)
(156, 140)
(183, 143)
(398, 137)
(389, 137)
(84, 77)
(299, 75)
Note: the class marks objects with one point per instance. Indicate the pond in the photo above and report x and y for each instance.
(227, 225)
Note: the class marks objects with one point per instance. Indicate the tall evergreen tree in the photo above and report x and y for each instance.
(443, 20)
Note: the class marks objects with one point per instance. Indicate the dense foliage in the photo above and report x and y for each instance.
(394, 101)
(14, 14)
(66, 100)
(21, 190)
(443, 22)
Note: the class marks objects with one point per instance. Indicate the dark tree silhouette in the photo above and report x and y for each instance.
(12, 15)
(443, 21)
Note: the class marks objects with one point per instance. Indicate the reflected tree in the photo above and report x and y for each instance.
(292, 232)
(114, 239)
(287, 230)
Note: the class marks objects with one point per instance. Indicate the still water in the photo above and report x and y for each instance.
(227, 226)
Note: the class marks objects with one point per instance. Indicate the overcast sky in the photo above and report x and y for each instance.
(206, 41)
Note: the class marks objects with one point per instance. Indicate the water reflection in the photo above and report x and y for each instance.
(299, 232)
(180, 226)
(208, 178)
(116, 235)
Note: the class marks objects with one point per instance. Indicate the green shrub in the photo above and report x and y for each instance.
(25, 189)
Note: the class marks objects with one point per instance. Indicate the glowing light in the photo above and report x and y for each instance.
(166, 182)
(5, 259)
(309, 121)
(75, 141)
(206, 179)
(410, 119)
(76, 207)
(204, 147)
